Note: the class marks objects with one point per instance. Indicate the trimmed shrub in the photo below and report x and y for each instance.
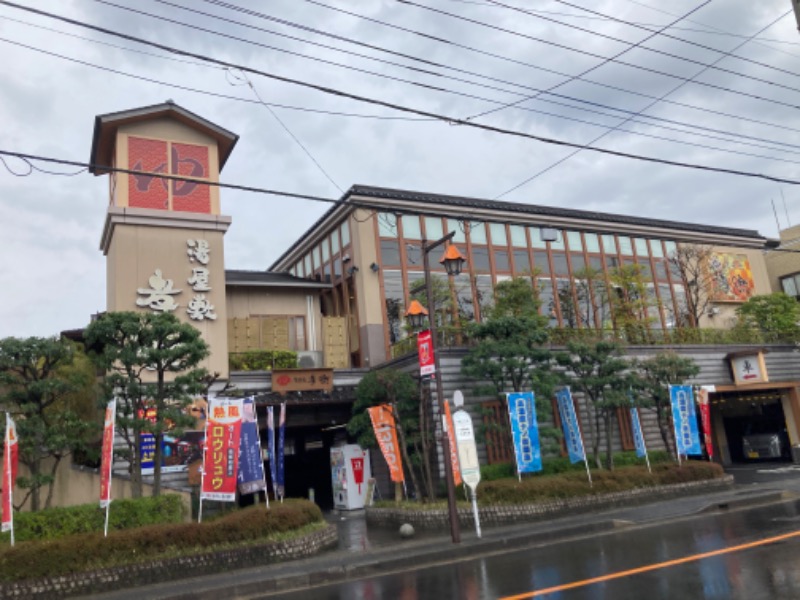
(262, 360)
(54, 523)
(82, 552)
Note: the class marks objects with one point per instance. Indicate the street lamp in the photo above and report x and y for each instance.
(453, 261)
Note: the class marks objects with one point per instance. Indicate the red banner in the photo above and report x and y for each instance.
(451, 437)
(10, 456)
(107, 457)
(221, 452)
(425, 350)
(705, 419)
(383, 425)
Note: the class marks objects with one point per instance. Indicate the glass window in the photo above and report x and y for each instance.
(416, 287)
(466, 308)
(477, 232)
(592, 242)
(596, 263)
(574, 241)
(656, 249)
(518, 237)
(460, 237)
(433, 228)
(480, 259)
(536, 238)
(326, 250)
(317, 260)
(661, 270)
(560, 263)
(548, 303)
(541, 263)
(645, 270)
(501, 262)
(609, 247)
(335, 242)
(577, 261)
(559, 243)
(411, 230)
(393, 290)
(498, 233)
(641, 247)
(390, 253)
(789, 285)
(297, 333)
(414, 255)
(612, 262)
(522, 262)
(670, 248)
(307, 264)
(337, 267)
(625, 246)
(387, 225)
(345, 234)
(484, 289)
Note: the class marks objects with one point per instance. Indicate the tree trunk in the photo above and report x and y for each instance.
(56, 462)
(157, 458)
(596, 438)
(664, 426)
(401, 439)
(35, 477)
(135, 462)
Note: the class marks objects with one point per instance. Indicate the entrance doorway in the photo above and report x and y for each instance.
(754, 425)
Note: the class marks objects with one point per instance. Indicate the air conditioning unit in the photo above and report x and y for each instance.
(310, 359)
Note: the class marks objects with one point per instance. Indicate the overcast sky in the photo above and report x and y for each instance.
(547, 73)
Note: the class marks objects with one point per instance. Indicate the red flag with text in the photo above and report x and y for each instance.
(10, 457)
(451, 437)
(705, 419)
(425, 351)
(221, 452)
(386, 434)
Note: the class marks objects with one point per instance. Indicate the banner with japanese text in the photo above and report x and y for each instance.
(638, 434)
(451, 438)
(524, 431)
(251, 467)
(384, 428)
(569, 423)
(10, 459)
(279, 474)
(425, 351)
(107, 455)
(705, 419)
(221, 453)
(687, 437)
(273, 467)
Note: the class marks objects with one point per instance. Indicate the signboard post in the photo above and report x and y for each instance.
(467, 454)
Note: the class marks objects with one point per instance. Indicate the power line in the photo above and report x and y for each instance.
(619, 62)
(653, 103)
(406, 109)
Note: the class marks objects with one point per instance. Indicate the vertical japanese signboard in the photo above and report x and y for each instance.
(453, 448)
(251, 469)
(425, 351)
(221, 453)
(687, 437)
(524, 431)
(569, 423)
(107, 457)
(383, 425)
(705, 419)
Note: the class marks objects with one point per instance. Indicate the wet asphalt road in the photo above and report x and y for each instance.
(770, 571)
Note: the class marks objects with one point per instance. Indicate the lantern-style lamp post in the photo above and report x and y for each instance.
(453, 262)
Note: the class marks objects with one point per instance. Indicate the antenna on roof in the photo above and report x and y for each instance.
(775, 212)
(786, 210)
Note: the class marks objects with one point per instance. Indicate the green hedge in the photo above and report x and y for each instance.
(561, 464)
(53, 523)
(534, 488)
(262, 360)
(76, 553)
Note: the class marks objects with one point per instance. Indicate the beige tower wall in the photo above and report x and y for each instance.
(137, 242)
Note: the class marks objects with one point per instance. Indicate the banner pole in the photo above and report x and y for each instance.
(475, 512)
(205, 453)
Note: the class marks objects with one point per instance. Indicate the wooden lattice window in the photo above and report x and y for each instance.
(625, 429)
(497, 433)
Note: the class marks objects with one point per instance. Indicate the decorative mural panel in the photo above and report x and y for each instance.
(145, 191)
(157, 156)
(189, 160)
(731, 277)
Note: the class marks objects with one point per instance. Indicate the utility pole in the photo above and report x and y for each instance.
(796, 7)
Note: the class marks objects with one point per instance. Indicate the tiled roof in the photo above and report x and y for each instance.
(270, 279)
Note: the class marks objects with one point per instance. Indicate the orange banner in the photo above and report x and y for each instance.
(386, 434)
(221, 454)
(451, 437)
(10, 454)
(107, 456)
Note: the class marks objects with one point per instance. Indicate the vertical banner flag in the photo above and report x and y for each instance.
(451, 438)
(638, 435)
(425, 351)
(383, 426)
(221, 453)
(250, 478)
(524, 431)
(279, 476)
(107, 457)
(705, 419)
(10, 457)
(569, 423)
(273, 468)
(687, 438)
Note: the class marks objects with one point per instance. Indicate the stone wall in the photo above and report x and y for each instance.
(157, 571)
(538, 511)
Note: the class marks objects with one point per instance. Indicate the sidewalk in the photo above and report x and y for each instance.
(364, 552)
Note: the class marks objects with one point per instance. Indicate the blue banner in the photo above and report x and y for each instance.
(687, 435)
(638, 436)
(569, 423)
(279, 479)
(250, 478)
(524, 431)
(273, 472)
